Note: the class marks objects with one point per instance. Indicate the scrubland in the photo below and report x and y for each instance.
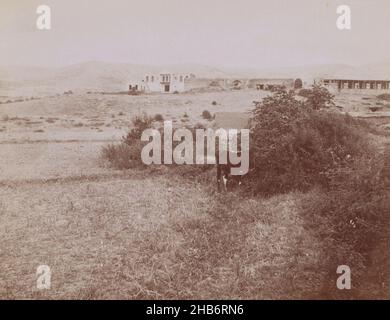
(164, 232)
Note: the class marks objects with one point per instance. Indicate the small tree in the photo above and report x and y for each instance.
(158, 117)
(140, 123)
(206, 115)
(319, 97)
(295, 146)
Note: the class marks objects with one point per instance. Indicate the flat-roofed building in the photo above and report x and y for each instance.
(354, 84)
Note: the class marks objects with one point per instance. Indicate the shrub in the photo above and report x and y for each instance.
(158, 117)
(304, 92)
(351, 218)
(384, 96)
(319, 97)
(128, 154)
(207, 115)
(123, 156)
(375, 109)
(295, 146)
(139, 124)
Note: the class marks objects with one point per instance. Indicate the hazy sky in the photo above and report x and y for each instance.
(235, 33)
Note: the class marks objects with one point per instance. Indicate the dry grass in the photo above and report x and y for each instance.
(158, 237)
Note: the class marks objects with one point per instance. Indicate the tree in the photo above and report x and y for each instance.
(318, 98)
(298, 84)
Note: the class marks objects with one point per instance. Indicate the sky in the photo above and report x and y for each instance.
(237, 34)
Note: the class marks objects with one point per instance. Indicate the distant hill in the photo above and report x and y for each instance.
(103, 76)
(93, 76)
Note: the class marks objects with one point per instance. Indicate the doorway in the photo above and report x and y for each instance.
(166, 88)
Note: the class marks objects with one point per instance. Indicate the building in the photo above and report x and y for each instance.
(269, 84)
(355, 85)
(137, 87)
(165, 82)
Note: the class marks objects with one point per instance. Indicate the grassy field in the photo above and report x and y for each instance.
(152, 233)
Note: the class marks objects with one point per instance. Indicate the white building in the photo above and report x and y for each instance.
(165, 82)
(355, 85)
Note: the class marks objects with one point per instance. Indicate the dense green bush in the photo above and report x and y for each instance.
(295, 145)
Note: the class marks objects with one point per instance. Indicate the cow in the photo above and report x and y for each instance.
(229, 120)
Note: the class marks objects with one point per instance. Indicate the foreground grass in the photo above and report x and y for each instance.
(161, 236)
(165, 234)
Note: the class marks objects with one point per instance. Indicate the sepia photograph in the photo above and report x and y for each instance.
(166, 150)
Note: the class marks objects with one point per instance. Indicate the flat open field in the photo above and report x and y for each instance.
(137, 233)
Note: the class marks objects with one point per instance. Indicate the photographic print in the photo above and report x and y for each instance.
(194, 150)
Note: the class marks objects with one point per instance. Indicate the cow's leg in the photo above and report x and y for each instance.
(219, 177)
(225, 177)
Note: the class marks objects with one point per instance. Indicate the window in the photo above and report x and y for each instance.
(181, 78)
(147, 78)
(152, 78)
